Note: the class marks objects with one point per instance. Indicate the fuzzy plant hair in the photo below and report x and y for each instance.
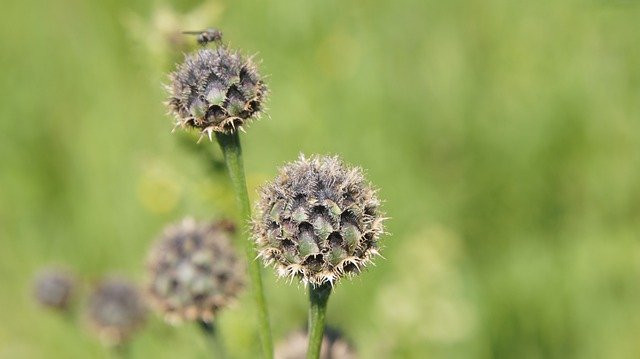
(319, 220)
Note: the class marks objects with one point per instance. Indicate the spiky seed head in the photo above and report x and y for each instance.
(216, 90)
(319, 220)
(54, 288)
(194, 271)
(116, 310)
(334, 346)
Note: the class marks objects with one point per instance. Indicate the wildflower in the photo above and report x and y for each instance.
(194, 271)
(319, 220)
(54, 288)
(334, 346)
(216, 90)
(116, 310)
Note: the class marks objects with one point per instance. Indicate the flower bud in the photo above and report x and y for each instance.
(334, 346)
(318, 220)
(54, 288)
(194, 271)
(216, 90)
(116, 311)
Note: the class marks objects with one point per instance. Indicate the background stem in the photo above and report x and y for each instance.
(211, 331)
(318, 297)
(230, 144)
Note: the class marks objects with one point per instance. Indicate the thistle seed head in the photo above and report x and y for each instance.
(216, 90)
(194, 271)
(334, 346)
(319, 220)
(54, 288)
(116, 310)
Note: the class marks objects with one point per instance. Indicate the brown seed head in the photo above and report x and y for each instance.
(318, 220)
(116, 311)
(54, 288)
(216, 90)
(334, 346)
(194, 271)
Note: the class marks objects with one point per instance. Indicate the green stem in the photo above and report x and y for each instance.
(230, 144)
(318, 298)
(120, 351)
(211, 331)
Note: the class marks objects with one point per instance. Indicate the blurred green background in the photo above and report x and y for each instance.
(504, 137)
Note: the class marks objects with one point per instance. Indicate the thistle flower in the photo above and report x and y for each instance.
(115, 311)
(216, 90)
(318, 220)
(54, 288)
(334, 346)
(194, 271)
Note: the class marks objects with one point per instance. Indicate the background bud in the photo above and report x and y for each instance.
(54, 288)
(116, 310)
(334, 346)
(194, 271)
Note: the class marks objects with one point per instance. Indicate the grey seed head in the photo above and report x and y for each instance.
(319, 220)
(334, 346)
(54, 288)
(194, 271)
(216, 90)
(116, 310)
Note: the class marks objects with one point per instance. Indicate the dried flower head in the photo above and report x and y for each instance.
(216, 90)
(116, 310)
(194, 271)
(53, 288)
(318, 220)
(334, 346)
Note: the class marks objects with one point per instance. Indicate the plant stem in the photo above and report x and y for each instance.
(120, 351)
(230, 144)
(318, 298)
(211, 331)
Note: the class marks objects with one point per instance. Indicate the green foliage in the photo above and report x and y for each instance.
(504, 137)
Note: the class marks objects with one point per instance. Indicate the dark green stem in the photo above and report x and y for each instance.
(120, 351)
(212, 333)
(318, 298)
(230, 144)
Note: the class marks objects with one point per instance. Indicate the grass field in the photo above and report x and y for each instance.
(504, 137)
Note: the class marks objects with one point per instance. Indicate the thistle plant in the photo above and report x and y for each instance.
(318, 221)
(215, 90)
(116, 311)
(194, 273)
(218, 90)
(54, 288)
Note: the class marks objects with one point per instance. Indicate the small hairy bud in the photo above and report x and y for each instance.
(334, 346)
(194, 271)
(216, 90)
(54, 288)
(318, 220)
(116, 310)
